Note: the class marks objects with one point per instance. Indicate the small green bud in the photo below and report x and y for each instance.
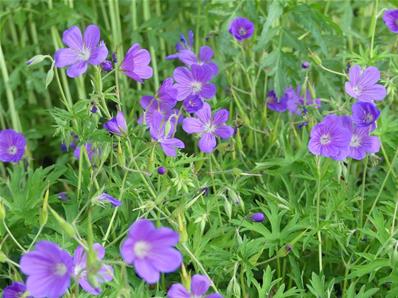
(35, 60)
(67, 227)
(2, 211)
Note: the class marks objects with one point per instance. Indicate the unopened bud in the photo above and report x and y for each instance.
(66, 227)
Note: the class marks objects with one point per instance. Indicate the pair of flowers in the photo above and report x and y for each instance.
(339, 137)
(87, 49)
(149, 249)
(50, 268)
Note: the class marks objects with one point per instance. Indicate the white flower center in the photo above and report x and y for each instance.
(242, 31)
(325, 139)
(196, 87)
(355, 141)
(60, 269)
(356, 90)
(141, 249)
(78, 270)
(210, 128)
(12, 150)
(85, 54)
(369, 118)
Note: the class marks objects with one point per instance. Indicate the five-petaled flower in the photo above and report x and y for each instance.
(331, 137)
(209, 127)
(135, 64)
(241, 28)
(194, 81)
(12, 145)
(49, 269)
(362, 84)
(151, 250)
(81, 51)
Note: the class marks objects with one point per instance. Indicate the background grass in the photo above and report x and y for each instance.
(330, 228)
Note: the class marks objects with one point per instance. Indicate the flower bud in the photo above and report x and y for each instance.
(2, 211)
(67, 227)
(35, 59)
(162, 170)
(257, 217)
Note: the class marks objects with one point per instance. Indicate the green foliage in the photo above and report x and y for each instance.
(342, 245)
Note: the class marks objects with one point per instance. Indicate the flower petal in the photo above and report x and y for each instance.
(208, 90)
(204, 114)
(65, 57)
(224, 131)
(207, 143)
(77, 69)
(220, 117)
(72, 37)
(182, 75)
(91, 37)
(192, 125)
(354, 74)
(205, 53)
(146, 271)
(369, 77)
(165, 259)
(375, 92)
(178, 291)
(98, 54)
(162, 237)
(170, 146)
(199, 285)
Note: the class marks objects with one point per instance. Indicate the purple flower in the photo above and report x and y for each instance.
(390, 18)
(12, 145)
(15, 290)
(297, 104)
(193, 103)
(94, 109)
(274, 104)
(362, 143)
(91, 151)
(162, 131)
(104, 197)
(182, 45)
(63, 147)
(241, 28)
(135, 64)
(194, 81)
(200, 284)
(305, 65)
(164, 101)
(81, 51)
(151, 250)
(365, 114)
(257, 217)
(209, 127)
(114, 58)
(49, 269)
(117, 125)
(331, 137)
(62, 196)
(162, 170)
(362, 84)
(107, 65)
(100, 273)
(189, 58)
